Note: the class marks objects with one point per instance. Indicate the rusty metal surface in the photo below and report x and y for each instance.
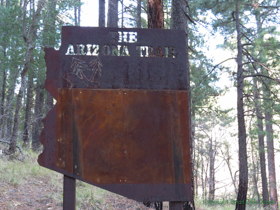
(105, 129)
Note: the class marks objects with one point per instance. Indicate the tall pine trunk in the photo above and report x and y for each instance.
(155, 14)
(138, 18)
(27, 121)
(255, 173)
(179, 21)
(270, 154)
(2, 117)
(9, 109)
(243, 163)
(101, 13)
(227, 158)
(49, 37)
(112, 20)
(30, 42)
(268, 124)
(14, 136)
(196, 171)
(3, 93)
(202, 177)
(158, 24)
(211, 171)
(77, 13)
(261, 144)
(37, 124)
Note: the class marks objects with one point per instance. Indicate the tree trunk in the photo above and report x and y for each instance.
(3, 102)
(8, 112)
(75, 15)
(28, 37)
(10, 120)
(155, 14)
(179, 21)
(39, 102)
(158, 24)
(261, 144)
(79, 13)
(270, 158)
(13, 141)
(112, 20)
(268, 124)
(268, 112)
(49, 38)
(202, 178)
(122, 25)
(27, 121)
(206, 180)
(49, 102)
(255, 174)
(226, 157)
(138, 19)
(243, 165)
(101, 13)
(196, 172)
(211, 172)
(49, 24)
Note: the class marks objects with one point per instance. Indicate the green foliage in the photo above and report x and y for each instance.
(13, 47)
(129, 14)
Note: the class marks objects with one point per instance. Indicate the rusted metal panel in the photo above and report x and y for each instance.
(123, 136)
(121, 119)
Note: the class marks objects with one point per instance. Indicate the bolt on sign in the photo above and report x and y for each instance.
(121, 118)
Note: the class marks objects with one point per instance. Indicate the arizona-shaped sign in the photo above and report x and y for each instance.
(121, 117)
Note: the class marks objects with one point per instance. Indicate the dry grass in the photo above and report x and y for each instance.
(26, 186)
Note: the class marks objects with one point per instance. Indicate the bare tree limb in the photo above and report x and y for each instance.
(263, 6)
(214, 69)
(262, 75)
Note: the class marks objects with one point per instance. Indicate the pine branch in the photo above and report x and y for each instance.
(24, 21)
(252, 62)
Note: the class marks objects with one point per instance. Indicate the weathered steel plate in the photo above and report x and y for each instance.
(121, 119)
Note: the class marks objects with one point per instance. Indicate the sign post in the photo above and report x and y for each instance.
(69, 193)
(121, 118)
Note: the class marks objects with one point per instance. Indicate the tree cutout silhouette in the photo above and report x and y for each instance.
(86, 73)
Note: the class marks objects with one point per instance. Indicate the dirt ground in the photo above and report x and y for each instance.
(31, 195)
(37, 194)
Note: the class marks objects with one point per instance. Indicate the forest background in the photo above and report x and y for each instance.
(247, 58)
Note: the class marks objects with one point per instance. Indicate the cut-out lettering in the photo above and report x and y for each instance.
(122, 49)
(80, 49)
(70, 50)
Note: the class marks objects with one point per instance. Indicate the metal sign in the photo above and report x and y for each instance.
(121, 118)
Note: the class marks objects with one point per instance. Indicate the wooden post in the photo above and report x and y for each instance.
(176, 205)
(69, 193)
